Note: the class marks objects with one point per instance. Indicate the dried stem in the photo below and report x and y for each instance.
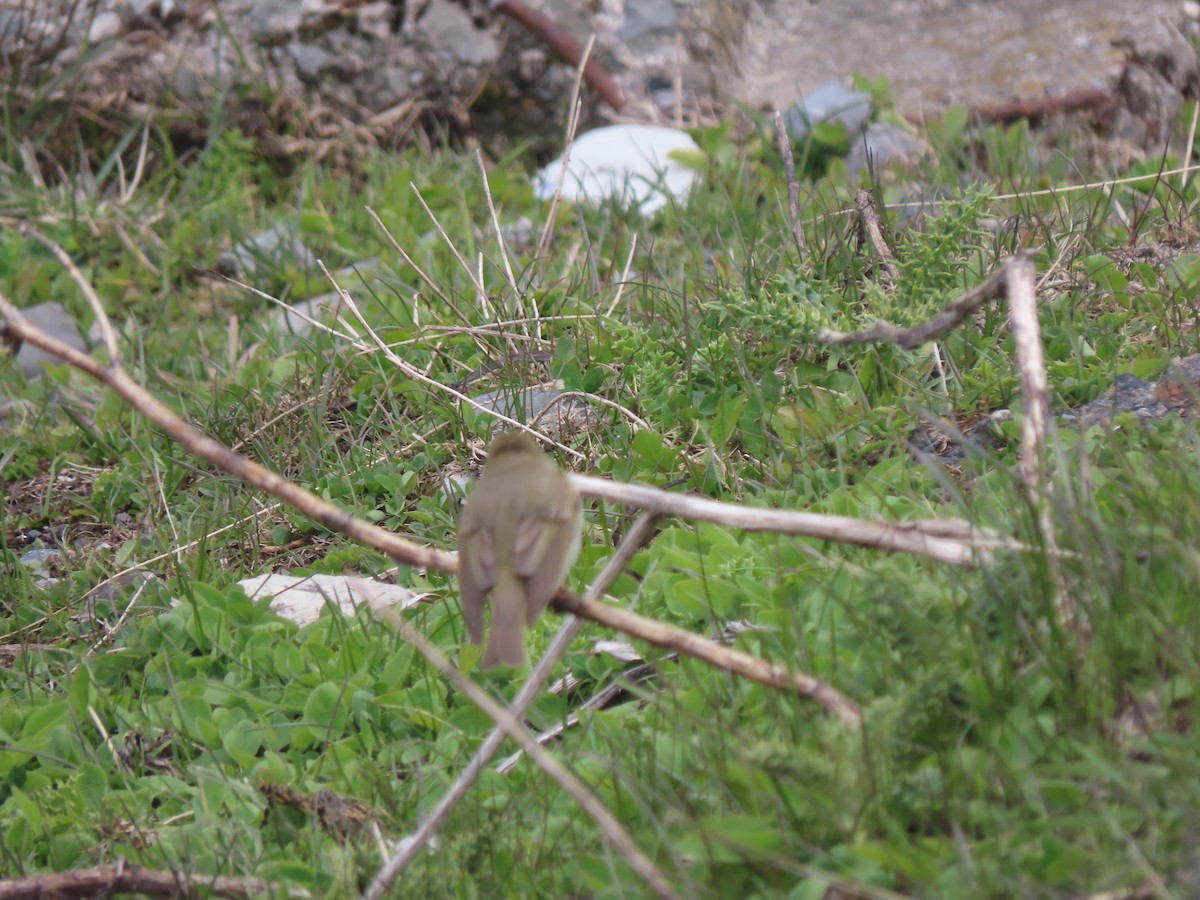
(580, 793)
(128, 878)
(949, 541)
(1031, 364)
(793, 186)
(991, 288)
(872, 229)
(638, 535)
(725, 658)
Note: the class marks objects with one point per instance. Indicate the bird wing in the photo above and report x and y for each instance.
(544, 547)
(476, 573)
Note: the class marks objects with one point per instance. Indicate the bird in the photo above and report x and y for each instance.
(518, 537)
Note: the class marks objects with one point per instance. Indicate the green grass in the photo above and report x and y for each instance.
(997, 761)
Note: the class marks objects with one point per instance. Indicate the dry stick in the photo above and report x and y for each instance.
(128, 878)
(872, 227)
(624, 276)
(793, 186)
(1031, 364)
(487, 192)
(1022, 304)
(725, 658)
(410, 846)
(221, 456)
(580, 793)
(991, 288)
(89, 293)
(930, 539)
(602, 698)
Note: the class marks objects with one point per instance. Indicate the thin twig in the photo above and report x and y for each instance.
(571, 626)
(572, 127)
(417, 375)
(128, 878)
(957, 312)
(920, 538)
(1031, 364)
(612, 830)
(624, 276)
(222, 457)
(487, 191)
(872, 227)
(85, 286)
(793, 186)
(727, 659)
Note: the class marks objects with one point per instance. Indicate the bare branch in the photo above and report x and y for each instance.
(222, 457)
(1021, 287)
(127, 878)
(929, 539)
(727, 659)
(638, 535)
(85, 286)
(991, 288)
(793, 186)
(872, 227)
(580, 793)
(565, 46)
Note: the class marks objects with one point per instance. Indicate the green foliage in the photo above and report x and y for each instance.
(999, 757)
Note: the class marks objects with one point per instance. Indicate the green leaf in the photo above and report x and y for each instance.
(325, 709)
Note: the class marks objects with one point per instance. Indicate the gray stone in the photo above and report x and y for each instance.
(53, 319)
(830, 102)
(310, 60)
(274, 21)
(648, 18)
(886, 146)
(104, 26)
(276, 246)
(38, 560)
(523, 404)
(296, 318)
(448, 28)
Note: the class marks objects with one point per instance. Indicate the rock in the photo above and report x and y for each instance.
(557, 418)
(887, 146)
(632, 163)
(274, 21)
(275, 247)
(53, 319)
(648, 18)
(1175, 392)
(310, 60)
(831, 102)
(301, 598)
(1163, 69)
(326, 307)
(448, 28)
(40, 562)
(104, 26)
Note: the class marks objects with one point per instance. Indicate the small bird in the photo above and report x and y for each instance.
(518, 537)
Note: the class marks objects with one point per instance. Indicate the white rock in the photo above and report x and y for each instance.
(629, 162)
(301, 598)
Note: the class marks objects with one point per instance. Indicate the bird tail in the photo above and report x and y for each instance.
(506, 642)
